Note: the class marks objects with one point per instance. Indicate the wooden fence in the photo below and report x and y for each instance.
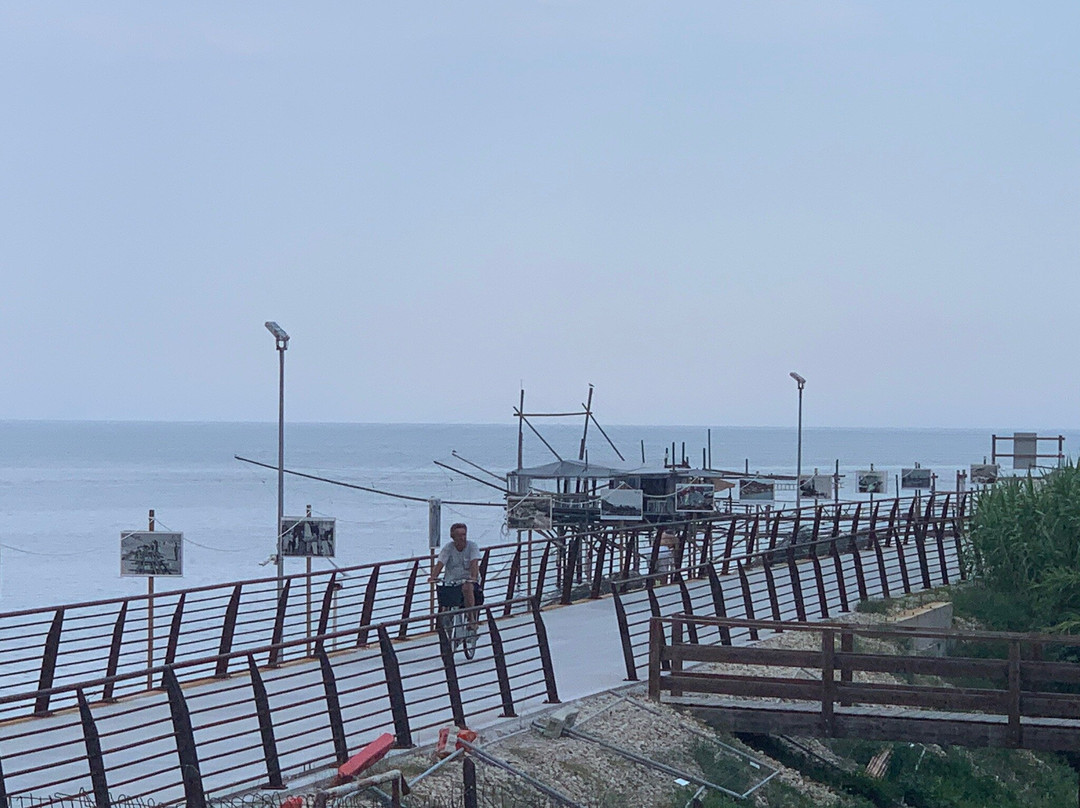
(995, 689)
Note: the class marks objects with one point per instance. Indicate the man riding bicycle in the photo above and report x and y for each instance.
(461, 561)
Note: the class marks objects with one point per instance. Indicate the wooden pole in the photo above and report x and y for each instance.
(308, 513)
(521, 425)
(150, 619)
(585, 432)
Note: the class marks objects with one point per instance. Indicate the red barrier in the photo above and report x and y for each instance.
(366, 757)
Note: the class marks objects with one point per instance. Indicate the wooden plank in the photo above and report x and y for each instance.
(930, 666)
(748, 655)
(1050, 705)
(1032, 671)
(744, 686)
(943, 698)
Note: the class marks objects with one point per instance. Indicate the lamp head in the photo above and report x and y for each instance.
(799, 380)
(279, 334)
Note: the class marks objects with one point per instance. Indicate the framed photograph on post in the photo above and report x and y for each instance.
(818, 486)
(760, 490)
(306, 537)
(528, 512)
(621, 504)
(694, 497)
(145, 553)
(916, 478)
(872, 482)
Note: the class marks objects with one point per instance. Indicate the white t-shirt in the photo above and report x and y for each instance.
(456, 562)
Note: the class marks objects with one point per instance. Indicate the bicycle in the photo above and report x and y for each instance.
(454, 618)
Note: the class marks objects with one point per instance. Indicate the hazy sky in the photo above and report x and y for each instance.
(678, 202)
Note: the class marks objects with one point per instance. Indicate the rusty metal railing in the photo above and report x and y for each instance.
(826, 575)
(255, 724)
(47, 647)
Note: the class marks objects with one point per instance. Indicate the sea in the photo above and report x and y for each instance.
(68, 489)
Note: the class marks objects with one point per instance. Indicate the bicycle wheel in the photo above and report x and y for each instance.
(472, 634)
(448, 625)
(459, 629)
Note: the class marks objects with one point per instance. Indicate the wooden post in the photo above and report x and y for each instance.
(521, 423)
(828, 685)
(847, 646)
(676, 653)
(655, 643)
(431, 592)
(150, 619)
(1013, 734)
(308, 569)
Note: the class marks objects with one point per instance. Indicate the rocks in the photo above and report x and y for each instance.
(586, 772)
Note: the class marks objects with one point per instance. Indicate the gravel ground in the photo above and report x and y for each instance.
(589, 774)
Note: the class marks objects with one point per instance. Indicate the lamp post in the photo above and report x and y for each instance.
(281, 340)
(799, 380)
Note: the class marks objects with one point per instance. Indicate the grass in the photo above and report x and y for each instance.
(875, 606)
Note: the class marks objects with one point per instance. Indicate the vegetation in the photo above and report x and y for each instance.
(918, 776)
(1024, 546)
(874, 606)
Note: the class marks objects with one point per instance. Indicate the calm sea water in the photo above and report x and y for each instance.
(67, 489)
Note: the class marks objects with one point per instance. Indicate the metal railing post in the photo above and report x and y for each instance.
(266, 726)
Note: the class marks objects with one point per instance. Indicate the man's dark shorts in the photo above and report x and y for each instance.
(451, 597)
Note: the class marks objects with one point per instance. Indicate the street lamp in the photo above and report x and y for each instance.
(281, 340)
(799, 380)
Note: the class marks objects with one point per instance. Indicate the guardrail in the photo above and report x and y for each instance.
(1009, 695)
(265, 723)
(47, 647)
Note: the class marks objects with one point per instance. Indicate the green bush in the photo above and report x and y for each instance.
(1024, 544)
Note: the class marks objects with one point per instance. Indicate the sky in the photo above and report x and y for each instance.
(679, 203)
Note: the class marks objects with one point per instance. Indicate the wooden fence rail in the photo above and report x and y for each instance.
(1010, 695)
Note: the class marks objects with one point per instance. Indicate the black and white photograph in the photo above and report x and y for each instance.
(916, 478)
(871, 482)
(694, 497)
(984, 473)
(621, 503)
(305, 537)
(528, 513)
(147, 552)
(757, 490)
(818, 486)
